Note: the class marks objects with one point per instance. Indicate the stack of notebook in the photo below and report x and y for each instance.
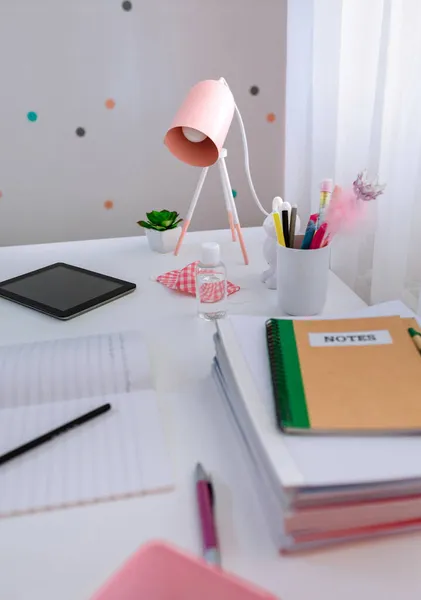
(329, 416)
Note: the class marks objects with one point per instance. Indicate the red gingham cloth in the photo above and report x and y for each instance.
(184, 280)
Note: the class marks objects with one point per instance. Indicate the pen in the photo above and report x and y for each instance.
(308, 236)
(47, 437)
(292, 226)
(206, 504)
(416, 337)
(285, 226)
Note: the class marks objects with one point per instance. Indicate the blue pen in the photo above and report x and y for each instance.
(308, 236)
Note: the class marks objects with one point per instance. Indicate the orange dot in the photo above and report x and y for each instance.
(108, 204)
(110, 103)
(271, 117)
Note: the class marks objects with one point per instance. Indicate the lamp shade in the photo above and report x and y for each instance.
(208, 109)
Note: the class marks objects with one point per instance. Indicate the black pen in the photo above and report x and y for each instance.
(285, 226)
(47, 437)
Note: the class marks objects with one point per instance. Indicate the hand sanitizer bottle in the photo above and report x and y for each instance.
(211, 284)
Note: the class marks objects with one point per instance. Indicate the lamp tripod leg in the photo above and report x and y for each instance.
(191, 209)
(231, 224)
(227, 193)
(242, 243)
(229, 198)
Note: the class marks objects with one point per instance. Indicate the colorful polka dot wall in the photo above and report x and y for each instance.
(87, 134)
(110, 104)
(255, 91)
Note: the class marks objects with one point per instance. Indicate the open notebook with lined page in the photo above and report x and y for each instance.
(120, 454)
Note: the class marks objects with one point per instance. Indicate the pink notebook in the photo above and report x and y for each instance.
(158, 572)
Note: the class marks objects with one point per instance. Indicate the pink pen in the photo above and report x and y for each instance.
(205, 503)
(318, 237)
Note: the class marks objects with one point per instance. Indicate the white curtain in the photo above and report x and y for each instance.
(353, 101)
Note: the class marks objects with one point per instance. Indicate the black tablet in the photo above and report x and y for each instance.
(64, 291)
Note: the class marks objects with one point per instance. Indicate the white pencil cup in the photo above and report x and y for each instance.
(302, 279)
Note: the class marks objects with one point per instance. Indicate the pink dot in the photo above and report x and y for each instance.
(1, 194)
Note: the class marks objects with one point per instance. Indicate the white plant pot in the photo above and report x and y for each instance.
(163, 241)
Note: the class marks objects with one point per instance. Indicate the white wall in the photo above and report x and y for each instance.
(63, 59)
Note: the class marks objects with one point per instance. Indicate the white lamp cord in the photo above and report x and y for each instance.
(246, 156)
(247, 161)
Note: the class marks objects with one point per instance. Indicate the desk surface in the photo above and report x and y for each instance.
(67, 554)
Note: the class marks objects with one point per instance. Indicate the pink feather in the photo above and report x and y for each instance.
(344, 212)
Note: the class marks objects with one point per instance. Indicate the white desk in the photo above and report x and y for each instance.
(67, 554)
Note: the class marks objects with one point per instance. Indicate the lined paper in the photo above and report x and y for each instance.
(121, 453)
(66, 369)
(327, 460)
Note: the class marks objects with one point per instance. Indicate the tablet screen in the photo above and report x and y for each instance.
(61, 288)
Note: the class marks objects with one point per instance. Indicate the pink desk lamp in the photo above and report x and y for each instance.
(197, 136)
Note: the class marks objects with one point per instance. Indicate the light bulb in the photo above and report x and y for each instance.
(193, 135)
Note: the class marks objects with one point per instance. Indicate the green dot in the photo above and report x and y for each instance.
(234, 193)
(32, 116)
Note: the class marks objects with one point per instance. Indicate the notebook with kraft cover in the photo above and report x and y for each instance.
(345, 375)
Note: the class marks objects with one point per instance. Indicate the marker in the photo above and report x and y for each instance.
(286, 206)
(285, 226)
(292, 226)
(278, 228)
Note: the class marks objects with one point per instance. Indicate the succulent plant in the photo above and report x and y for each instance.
(161, 220)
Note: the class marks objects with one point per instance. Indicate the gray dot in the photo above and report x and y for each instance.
(254, 90)
(80, 131)
(126, 5)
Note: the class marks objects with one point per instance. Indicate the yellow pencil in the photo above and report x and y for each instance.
(278, 228)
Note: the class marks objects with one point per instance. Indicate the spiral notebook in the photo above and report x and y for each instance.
(120, 454)
(345, 375)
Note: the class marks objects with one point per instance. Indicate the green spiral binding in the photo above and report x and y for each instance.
(288, 388)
